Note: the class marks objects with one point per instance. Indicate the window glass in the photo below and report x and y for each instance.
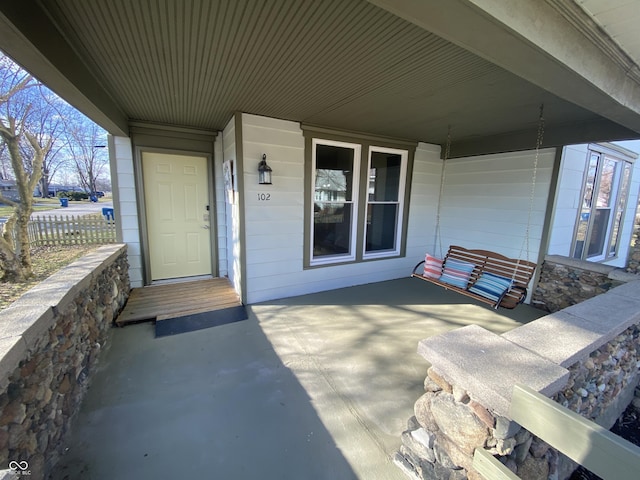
(585, 213)
(382, 222)
(333, 208)
(622, 202)
(384, 177)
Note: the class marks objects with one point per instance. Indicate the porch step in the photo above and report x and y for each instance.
(161, 302)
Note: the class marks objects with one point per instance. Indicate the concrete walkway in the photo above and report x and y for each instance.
(311, 387)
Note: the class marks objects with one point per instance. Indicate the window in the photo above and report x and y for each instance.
(605, 192)
(334, 200)
(385, 197)
(357, 204)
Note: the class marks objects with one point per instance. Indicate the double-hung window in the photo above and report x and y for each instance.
(335, 200)
(385, 201)
(357, 204)
(603, 201)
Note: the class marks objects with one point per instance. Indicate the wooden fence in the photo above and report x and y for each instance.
(71, 230)
(592, 446)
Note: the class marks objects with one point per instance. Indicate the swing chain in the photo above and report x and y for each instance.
(525, 243)
(447, 151)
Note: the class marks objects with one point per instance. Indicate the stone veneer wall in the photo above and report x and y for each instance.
(50, 340)
(587, 357)
(565, 281)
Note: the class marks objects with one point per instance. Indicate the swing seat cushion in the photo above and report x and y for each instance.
(491, 286)
(432, 267)
(456, 273)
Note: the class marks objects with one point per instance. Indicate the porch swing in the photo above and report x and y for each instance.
(486, 276)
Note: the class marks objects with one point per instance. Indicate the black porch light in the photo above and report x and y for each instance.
(264, 171)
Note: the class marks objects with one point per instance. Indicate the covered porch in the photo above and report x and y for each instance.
(317, 386)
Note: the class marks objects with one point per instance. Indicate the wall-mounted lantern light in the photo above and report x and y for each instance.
(264, 171)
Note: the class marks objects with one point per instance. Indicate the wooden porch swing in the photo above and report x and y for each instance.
(486, 276)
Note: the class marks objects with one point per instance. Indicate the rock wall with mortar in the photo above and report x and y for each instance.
(564, 282)
(50, 340)
(456, 414)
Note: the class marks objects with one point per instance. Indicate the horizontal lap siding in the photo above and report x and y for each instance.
(275, 228)
(565, 214)
(231, 214)
(127, 207)
(423, 204)
(220, 208)
(274, 214)
(486, 201)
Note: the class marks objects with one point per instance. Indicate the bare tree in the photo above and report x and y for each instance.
(87, 144)
(47, 124)
(17, 104)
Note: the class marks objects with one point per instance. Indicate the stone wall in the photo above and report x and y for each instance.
(565, 281)
(50, 340)
(586, 357)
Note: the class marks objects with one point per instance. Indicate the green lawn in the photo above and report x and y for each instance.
(42, 204)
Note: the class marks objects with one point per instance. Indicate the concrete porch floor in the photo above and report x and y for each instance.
(312, 387)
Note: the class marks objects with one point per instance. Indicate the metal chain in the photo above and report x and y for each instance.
(527, 233)
(447, 151)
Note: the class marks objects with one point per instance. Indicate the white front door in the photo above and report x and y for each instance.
(176, 197)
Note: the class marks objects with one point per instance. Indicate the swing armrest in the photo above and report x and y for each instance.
(416, 267)
(523, 293)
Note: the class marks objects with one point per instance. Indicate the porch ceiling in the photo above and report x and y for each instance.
(349, 65)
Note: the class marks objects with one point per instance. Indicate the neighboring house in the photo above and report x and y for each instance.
(9, 190)
(352, 104)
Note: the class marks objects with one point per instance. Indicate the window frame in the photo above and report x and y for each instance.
(618, 199)
(315, 135)
(357, 154)
(404, 154)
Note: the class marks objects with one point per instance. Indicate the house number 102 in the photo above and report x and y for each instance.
(264, 197)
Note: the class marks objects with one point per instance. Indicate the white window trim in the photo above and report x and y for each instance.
(619, 155)
(332, 259)
(404, 155)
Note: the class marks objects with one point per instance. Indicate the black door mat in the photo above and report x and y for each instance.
(199, 321)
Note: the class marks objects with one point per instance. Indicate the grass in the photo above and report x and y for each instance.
(46, 261)
(39, 204)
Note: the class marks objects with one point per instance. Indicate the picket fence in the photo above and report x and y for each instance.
(71, 230)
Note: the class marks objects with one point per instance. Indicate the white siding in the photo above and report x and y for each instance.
(232, 212)
(565, 212)
(423, 202)
(275, 227)
(127, 210)
(220, 207)
(486, 202)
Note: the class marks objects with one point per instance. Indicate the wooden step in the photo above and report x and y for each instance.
(177, 299)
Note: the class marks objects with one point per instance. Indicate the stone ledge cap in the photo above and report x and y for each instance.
(561, 337)
(487, 366)
(623, 276)
(580, 264)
